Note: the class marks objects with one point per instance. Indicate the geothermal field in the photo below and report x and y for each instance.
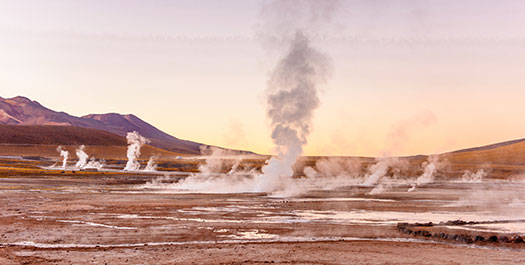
(216, 209)
(312, 132)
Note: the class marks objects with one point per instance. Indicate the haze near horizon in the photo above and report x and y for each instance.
(417, 77)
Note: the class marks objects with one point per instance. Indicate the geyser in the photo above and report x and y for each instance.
(292, 97)
(430, 167)
(64, 154)
(93, 163)
(135, 142)
(152, 163)
(82, 157)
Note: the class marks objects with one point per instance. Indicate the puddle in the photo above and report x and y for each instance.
(341, 200)
(95, 224)
(226, 241)
(517, 227)
(229, 209)
(241, 241)
(250, 235)
(182, 219)
(389, 217)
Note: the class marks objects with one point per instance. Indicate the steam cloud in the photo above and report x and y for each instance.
(478, 176)
(292, 96)
(218, 160)
(93, 163)
(64, 154)
(82, 157)
(135, 142)
(152, 163)
(431, 166)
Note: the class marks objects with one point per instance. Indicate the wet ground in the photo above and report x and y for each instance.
(116, 220)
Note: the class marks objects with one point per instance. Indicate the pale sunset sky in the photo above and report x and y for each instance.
(409, 76)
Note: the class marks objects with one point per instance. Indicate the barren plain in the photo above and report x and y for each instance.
(112, 217)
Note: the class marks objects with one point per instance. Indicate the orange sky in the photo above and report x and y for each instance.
(418, 77)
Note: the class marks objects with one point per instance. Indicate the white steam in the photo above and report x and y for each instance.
(64, 154)
(94, 164)
(382, 167)
(476, 177)
(135, 142)
(82, 157)
(376, 172)
(152, 163)
(430, 167)
(292, 96)
(220, 173)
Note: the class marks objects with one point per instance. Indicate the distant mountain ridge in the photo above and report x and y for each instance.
(490, 146)
(23, 111)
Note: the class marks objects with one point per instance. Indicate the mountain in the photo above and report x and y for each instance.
(505, 153)
(121, 124)
(42, 141)
(57, 135)
(23, 111)
(489, 147)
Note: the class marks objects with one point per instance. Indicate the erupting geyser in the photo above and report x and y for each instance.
(292, 93)
(82, 157)
(64, 154)
(152, 163)
(292, 98)
(135, 142)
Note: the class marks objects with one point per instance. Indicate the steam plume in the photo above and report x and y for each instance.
(400, 131)
(64, 154)
(218, 160)
(93, 163)
(469, 176)
(152, 163)
(430, 166)
(292, 98)
(376, 172)
(82, 157)
(135, 142)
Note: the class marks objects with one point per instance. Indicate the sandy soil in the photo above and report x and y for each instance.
(112, 219)
(356, 252)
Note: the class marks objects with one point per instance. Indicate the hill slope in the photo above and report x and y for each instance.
(42, 140)
(508, 153)
(57, 135)
(121, 124)
(23, 111)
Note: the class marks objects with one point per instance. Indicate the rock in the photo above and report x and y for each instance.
(426, 233)
(456, 222)
(517, 239)
(424, 224)
(504, 239)
(465, 239)
(492, 239)
(479, 238)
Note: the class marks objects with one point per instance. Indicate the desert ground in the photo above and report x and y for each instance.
(53, 216)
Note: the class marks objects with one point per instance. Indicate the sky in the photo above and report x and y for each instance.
(409, 77)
